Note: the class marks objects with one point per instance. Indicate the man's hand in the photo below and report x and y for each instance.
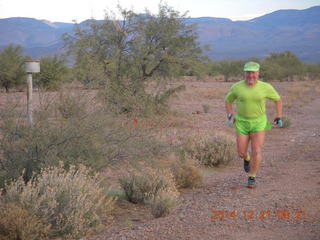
(230, 120)
(278, 122)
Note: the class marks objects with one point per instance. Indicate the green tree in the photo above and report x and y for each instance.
(53, 72)
(312, 71)
(231, 68)
(11, 67)
(283, 65)
(138, 50)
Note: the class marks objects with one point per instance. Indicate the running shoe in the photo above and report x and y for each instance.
(251, 182)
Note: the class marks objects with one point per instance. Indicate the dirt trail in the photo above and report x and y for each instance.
(287, 195)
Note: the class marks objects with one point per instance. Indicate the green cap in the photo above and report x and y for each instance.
(251, 67)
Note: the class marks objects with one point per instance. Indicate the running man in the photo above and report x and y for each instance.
(251, 119)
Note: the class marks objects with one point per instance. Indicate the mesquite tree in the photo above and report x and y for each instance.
(128, 55)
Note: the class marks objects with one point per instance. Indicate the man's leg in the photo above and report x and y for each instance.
(257, 140)
(242, 145)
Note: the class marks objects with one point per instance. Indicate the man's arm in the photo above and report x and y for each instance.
(278, 108)
(278, 120)
(229, 108)
(229, 111)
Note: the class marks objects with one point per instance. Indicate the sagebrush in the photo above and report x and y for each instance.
(186, 175)
(72, 201)
(156, 188)
(210, 150)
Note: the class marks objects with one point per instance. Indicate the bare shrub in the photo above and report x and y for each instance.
(71, 201)
(18, 223)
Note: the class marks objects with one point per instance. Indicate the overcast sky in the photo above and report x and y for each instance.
(79, 10)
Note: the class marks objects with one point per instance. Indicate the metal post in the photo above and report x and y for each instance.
(29, 99)
(30, 67)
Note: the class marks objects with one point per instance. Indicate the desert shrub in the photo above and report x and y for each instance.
(186, 175)
(144, 187)
(46, 143)
(119, 99)
(141, 188)
(155, 188)
(211, 150)
(72, 201)
(19, 223)
(71, 106)
(206, 108)
(162, 205)
(96, 139)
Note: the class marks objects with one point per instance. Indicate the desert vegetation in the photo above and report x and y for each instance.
(114, 111)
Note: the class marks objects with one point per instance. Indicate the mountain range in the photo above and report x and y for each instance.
(294, 30)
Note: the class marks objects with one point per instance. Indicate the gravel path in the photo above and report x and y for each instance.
(285, 204)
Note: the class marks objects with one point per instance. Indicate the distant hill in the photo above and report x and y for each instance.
(294, 30)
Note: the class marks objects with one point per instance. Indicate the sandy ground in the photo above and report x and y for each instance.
(286, 202)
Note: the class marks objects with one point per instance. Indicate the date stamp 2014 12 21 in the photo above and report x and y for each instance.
(280, 214)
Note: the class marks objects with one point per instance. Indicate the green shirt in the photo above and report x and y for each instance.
(251, 101)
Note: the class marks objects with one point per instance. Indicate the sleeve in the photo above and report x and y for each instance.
(272, 94)
(231, 95)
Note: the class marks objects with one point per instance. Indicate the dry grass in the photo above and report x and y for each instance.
(214, 93)
(19, 223)
(299, 93)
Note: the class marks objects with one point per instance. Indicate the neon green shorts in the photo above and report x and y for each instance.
(246, 126)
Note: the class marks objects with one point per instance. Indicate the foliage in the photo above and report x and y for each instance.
(53, 73)
(66, 129)
(186, 175)
(145, 187)
(210, 150)
(230, 68)
(72, 201)
(71, 105)
(162, 206)
(89, 71)
(283, 65)
(31, 148)
(277, 66)
(312, 71)
(11, 67)
(129, 54)
(19, 223)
